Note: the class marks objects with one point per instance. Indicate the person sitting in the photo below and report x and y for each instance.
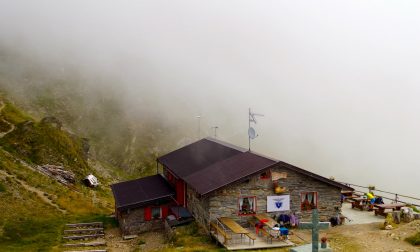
(294, 220)
(284, 232)
(379, 200)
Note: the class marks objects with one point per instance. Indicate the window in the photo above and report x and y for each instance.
(265, 175)
(308, 201)
(156, 213)
(247, 205)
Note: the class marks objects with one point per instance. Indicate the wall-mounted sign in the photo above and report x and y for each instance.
(278, 175)
(278, 203)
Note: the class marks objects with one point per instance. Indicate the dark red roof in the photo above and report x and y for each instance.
(135, 193)
(227, 171)
(209, 164)
(197, 156)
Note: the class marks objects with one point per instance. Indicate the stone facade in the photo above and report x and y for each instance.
(132, 222)
(224, 201)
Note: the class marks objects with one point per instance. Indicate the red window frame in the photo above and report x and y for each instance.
(255, 205)
(306, 206)
(265, 175)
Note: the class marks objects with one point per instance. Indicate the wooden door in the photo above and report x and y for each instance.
(180, 192)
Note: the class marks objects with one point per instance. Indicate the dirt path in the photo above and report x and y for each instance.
(151, 241)
(12, 126)
(39, 193)
(367, 237)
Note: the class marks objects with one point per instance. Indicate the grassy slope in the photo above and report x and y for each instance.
(26, 222)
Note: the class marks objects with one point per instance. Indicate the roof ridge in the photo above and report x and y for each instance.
(226, 144)
(313, 175)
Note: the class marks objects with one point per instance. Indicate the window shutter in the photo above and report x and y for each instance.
(164, 211)
(147, 213)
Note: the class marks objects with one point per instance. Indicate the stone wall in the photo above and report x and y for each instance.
(224, 202)
(132, 222)
(198, 207)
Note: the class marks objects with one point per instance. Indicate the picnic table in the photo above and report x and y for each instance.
(360, 202)
(270, 222)
(274, 231)
(380, 208)
(236, 228)
(347, 193)
(233, 225)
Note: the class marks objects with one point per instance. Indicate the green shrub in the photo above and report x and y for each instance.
(414, 240)
(2, 188)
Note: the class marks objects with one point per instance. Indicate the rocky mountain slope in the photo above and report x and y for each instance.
(36, 204)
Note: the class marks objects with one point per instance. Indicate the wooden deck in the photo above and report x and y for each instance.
(236, 243)
(235, 237)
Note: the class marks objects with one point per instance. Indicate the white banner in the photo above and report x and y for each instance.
(278, 203)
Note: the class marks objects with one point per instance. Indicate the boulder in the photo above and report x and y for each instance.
(396, 216)
(388, 227)
(407, 214)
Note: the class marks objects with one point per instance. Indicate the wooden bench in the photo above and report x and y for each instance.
(380, 208)
(267, 235)
(252, 223)
(251, 237)
(220, 231)
(361, 203)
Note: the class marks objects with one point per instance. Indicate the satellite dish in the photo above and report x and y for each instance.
(251, 133)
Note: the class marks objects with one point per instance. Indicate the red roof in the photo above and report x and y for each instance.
(227, 171)
(197, 156)
(210, 164)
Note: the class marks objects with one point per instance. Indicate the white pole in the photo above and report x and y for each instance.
(199, 126)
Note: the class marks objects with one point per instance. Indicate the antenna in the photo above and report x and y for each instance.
(215, 130)
(251, 131)
(199, 125)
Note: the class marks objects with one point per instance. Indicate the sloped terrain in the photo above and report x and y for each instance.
(35, 206)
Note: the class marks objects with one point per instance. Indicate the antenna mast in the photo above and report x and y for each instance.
(215, 130)
(199, 126)
(251, 131)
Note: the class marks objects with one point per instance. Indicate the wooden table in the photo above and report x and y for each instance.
(380, 208)
(347, 193)
(361, 203)
(270, 222)
(233, 226)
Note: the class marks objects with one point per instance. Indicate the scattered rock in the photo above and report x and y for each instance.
(407, 214)
(396, 215)
(58, 173)
(53, 121)
(130, 237)
(389, 227)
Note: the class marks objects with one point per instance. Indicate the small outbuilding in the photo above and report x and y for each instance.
(142, 204)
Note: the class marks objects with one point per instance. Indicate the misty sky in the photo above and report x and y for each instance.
(338, 81)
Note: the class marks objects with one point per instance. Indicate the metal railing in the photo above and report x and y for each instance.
(396, 197)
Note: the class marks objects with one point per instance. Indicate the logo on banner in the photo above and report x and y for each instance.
(279, 203)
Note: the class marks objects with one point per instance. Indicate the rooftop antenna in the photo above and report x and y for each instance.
(199, 125)
(251, 131)
(215, 130)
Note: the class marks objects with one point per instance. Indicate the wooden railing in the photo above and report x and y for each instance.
(394, 197)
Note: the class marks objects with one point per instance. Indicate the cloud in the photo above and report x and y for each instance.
(337, 82)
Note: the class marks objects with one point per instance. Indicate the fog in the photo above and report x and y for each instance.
(337, 81)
